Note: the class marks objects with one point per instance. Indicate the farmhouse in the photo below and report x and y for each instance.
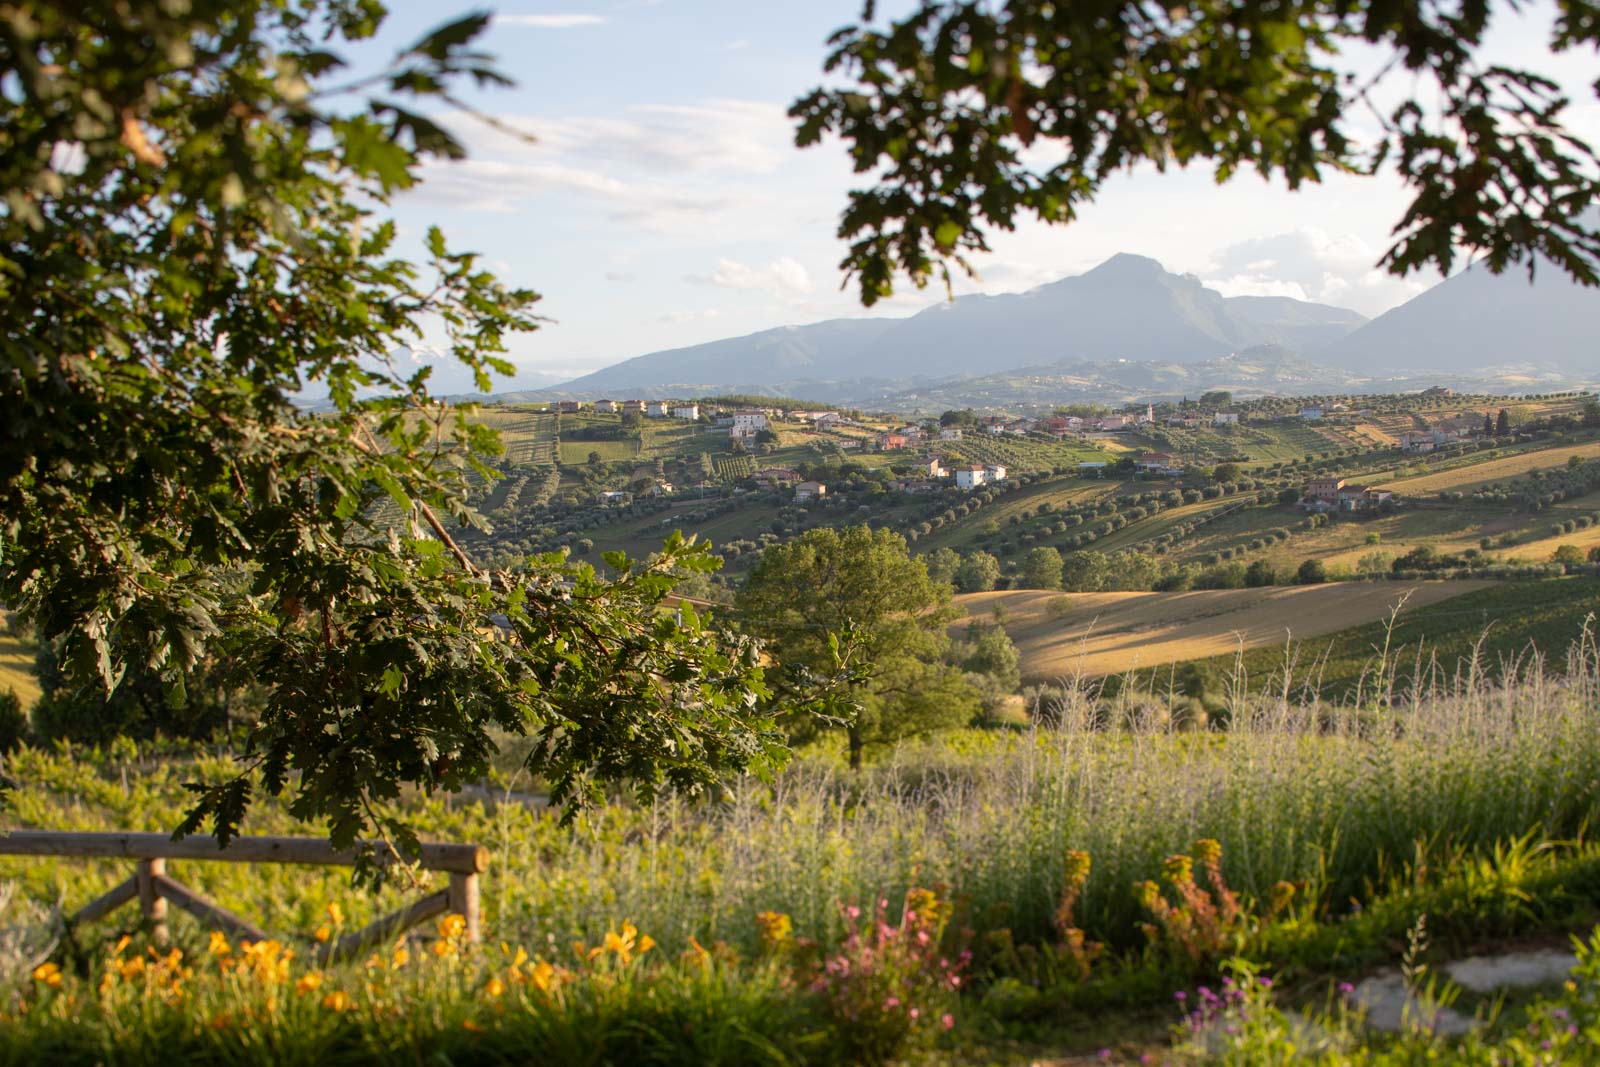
(1112, 423)
(931, 468)
(889, 442)
(809, 491)
(950, 433)
(1323, 493)
(1159, 463)
(605, 405)
(776, 476)
(614, 496)
(633, 407)
(568, 407)
(1417, 441)
(686, 411)
(1362, 497)
(657, 409)
(969, 477)
(975, 476)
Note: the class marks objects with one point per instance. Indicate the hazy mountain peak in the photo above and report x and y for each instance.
(1127, 266)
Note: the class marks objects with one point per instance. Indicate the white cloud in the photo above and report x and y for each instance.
(717, 136)
(785, 277)
(549, 22)
(1311, 264)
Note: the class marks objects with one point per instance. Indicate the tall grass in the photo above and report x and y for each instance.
(1337, 797)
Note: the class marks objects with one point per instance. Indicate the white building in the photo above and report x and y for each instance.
(748, 423)
(605, 405)
(1225, 418)
(969, 477)
(950, 433)
(809, 491)
(686, 411)
(973, 477)
(657, 409)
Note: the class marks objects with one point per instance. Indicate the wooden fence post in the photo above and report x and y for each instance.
(152, 906)
(463, 896)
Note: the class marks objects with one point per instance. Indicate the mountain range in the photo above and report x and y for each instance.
(1128, 313)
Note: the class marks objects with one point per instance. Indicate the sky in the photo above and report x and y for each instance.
(662, 202)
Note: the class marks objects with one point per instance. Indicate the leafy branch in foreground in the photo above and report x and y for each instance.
(188, 249)
(973, 113)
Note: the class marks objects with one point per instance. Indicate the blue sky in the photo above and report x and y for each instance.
(664, 203)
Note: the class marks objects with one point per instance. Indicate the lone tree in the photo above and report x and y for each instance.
(950, 106)
(1042, 568)
(192, 241)
(858, 588)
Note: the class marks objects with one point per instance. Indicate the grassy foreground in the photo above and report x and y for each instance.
(1013, 889)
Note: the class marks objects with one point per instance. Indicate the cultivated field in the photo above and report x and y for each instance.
(1063, 635)
(1494, 470)
(16, 670)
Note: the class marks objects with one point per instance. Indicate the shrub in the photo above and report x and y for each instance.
(13, 722)
(1312, 572)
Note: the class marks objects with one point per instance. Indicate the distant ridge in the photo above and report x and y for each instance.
(1476, 320)
(1129, 307)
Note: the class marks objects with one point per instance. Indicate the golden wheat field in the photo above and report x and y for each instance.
(1493, 470)
(1063, 635)
(16, 668)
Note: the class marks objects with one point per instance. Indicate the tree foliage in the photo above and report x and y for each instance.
(193, 242)
(859, 587)
(954, 106)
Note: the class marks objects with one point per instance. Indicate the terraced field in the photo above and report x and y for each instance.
(1095, 634)
(529, 436)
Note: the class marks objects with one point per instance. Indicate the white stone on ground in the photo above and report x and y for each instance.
(1389, 1006)
(1486, 974)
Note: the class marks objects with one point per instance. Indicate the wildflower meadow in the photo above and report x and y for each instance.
(980, 890)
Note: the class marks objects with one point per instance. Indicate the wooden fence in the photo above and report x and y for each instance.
(152, 888)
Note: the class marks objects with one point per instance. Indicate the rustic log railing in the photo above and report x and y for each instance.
(151, 886)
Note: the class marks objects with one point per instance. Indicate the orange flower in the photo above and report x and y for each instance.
(452, 925)
(49, 974)
(335, 914)
(494, 988)
(468, 1024)
(323, 933)
(308, 983)
(219, 945)
(542, 976)
(338, 1000)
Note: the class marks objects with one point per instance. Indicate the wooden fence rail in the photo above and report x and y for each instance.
(151, 886)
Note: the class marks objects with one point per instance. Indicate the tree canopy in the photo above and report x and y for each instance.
(860, 585)
(971, 114)
(193, 245)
